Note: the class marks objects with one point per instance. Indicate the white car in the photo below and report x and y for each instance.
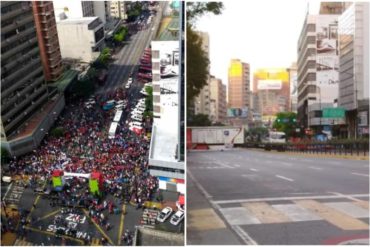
(135, 124)
(120, 106)
(129, 80)
(177, 218)
(164, 214)
(137, 118)
(127, 85)
(120, 102)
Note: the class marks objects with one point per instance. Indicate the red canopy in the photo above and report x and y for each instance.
(182, 199)
(57, 173)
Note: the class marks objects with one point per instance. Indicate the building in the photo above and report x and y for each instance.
(202, 102)
(74, 9)
(318, 64)
(354, 68)
(88, 41)
(28, 106)
(117, 9)
(217, 96)
(47, 37)
(272, 87)
(333, 8)
(166, 154)
(293, 87)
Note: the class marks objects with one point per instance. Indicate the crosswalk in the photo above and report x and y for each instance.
(14, 194)
(22, 242)
(345, 215)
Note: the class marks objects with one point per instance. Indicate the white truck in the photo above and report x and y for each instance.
(216, 135)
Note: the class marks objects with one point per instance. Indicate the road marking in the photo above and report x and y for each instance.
(121, 223)
(360, 174)
(296, 213)
(205, 219)
(244, 236)
(98, 227)
(239, 216)
(363, 204)
(285, 178)
(265, 213)
(315, 168)
(349, 208)
(200, 187)
(53, 234)
(253, 169)
(34, 203)
(270, 199)
(50, 214)
(284, 163)
(333, 216)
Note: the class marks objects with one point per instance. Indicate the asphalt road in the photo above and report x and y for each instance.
(267, 198)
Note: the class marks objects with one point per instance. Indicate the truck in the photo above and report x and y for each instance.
(273, 137)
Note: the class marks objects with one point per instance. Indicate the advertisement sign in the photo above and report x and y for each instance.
(269, 84)
(237, 112)
(363, 118)
(333, 112)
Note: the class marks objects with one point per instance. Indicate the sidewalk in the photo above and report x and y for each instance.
(318, 155)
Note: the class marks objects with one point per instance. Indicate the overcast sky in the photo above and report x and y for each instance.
(263, 33)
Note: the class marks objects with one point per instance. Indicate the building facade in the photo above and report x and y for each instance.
(239, 85)
(47, 37)
(217, 100)
(117, 9)
(293, 87)
(202, 104)
(354, 68)
(26, 100)
(88, 41)
(318, 75)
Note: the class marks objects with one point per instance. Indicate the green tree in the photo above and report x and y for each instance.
(149, 101)
(199, 120)
(120, 35)
(197, 62)
(286, 122)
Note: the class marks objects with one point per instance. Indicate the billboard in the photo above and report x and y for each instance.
(237, 112)
(269, 85)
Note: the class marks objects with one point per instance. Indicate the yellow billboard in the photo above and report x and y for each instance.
(272, 74)
(236, 68)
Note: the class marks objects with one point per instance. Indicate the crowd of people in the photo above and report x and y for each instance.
(85, 148)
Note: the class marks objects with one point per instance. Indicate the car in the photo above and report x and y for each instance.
(127, 86)
(120, 102)
(164, 214)
(137, 111)
(129, 80)
(135, 124)
(177, 218)
(120, 106)
(136, 118)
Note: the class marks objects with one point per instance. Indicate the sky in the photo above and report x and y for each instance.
(263, 33)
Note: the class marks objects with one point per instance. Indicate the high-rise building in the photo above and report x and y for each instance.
(166, 154)
(293, 87)
(272, 87)
(117, 9)
(47, 36)
(202, 101)
(354, 68)
(217, 100)
(73, 9)
(336, 8)
(28, 106)
(318, 64)
(239, 85)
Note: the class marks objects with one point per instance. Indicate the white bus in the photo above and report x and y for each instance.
(118, 116)
(112, 130)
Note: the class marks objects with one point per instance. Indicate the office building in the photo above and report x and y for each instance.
(354, 68)
(73, 9)
(217, 97)
(239, 85)
(117, 9)
(47, 37)
(28, 106)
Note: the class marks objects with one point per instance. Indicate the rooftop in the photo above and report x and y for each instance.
(77, 21)
(66, 79)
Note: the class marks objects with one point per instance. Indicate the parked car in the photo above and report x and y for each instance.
(177, 218)
(164, 214)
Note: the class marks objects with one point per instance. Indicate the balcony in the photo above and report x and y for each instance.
(30, 43)
(11, 14)
(56, 62)
(24, 57)
(22, 71)
(46, 18)
(6, 91)
(17, 23)
(18, 36)
(50, 33)
(57, 71)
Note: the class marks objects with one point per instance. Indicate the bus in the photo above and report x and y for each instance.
(112, 130)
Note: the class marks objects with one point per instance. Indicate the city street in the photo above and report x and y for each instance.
(267, 198)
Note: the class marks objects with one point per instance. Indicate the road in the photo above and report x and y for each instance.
(128, 57)
(256, 197)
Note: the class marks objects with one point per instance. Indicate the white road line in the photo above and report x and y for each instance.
(253, 169)
(315, 168)
(200, 187)
(285, 178)
(270, 199)
(360, 174)
(244, 236)
(284, 163)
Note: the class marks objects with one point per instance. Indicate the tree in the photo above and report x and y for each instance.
(5, 155)
(83, 88)
(286, 122)
(149, 101)
(199, 120)
(120, 35)
(197, 62)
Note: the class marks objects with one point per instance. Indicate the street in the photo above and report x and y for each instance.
(256, 197)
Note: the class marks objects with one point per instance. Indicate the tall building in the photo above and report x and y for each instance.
(202, 101)
(73, 9)
(166, 154)
(354, 68)
(47, 37)
(272, 87)
(28, 106)
(333, 8)
(217, 100)
(239, 85)
(117, 9)
(318, 64)
(293, 87)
